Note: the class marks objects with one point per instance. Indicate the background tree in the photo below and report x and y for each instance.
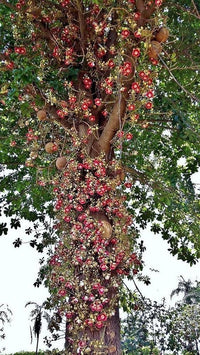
(79, 129)
(5, 317)
(154, 325)
(191, 293)
(37, 314)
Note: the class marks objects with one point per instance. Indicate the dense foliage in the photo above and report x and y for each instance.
(171, 330)
(99, 132)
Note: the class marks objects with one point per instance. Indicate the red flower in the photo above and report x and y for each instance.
(56, 51)
(131, 107)
(129, 136)
(20, 50)
(149, 105)
(136, 87)
(97, 102)
(137, 16)
(92, 118)
(87, 83)
(64, 3)
(10, 65)
(125, 33)
(111, 63)
(91, 64)
(137, 34)
(72, 99)
(84, 106)
(120, 134)
(154, 61)
(61, 113)
(108, 91)
(150, 94)
(136, 52)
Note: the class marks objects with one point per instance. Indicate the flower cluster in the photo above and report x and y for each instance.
(94, 248)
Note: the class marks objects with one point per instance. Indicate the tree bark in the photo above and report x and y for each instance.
(109, 337)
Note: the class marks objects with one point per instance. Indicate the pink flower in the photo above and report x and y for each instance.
(69, 315)
(96, 286)
(62, 293)
(13, 143)
(101, 290)
(158, 2)
(99, 324)
(82, 343)
(102, 317)
(68, 284)
(103, 267)
(89, 322)
(91, 297)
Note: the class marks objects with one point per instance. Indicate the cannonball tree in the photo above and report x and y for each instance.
(86, 143)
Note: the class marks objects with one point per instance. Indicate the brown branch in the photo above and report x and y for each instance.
(197, 67)
(115, 120)
(195, 8)
(140, 5)
(113, 124)
(193, 97)
(81, 23)
(145, 12)
(188, 11)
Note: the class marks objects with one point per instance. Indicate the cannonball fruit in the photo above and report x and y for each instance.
(42, 115)
(162, 35)
(106, 229)
(155, 49)
(61, 163)
(51, 147)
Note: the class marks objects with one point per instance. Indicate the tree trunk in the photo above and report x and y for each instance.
(108, 338)
(37, 345)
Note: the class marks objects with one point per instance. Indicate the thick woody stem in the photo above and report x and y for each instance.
(145, 12)
(81, 23)
(112, 125)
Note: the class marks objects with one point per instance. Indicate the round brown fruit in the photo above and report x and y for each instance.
(154, 50)
(162, 35)
(106, 229)
(61, 163)
(42, 115)
(51, 147)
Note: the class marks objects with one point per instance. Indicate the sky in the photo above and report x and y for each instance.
(18, 271)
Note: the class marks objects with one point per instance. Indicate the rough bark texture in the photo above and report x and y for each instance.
(108, 336)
